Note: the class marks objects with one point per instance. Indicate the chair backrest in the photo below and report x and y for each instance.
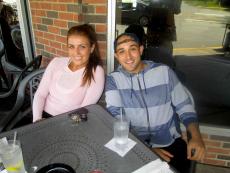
(35, 64)
(15, 115)
(2, 50)
(2, 72)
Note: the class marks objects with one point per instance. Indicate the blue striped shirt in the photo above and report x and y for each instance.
(155, 94)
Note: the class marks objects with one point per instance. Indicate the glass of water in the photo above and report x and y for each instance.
(121, 132)
(12, 158)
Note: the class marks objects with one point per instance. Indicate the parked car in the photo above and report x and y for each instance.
(140, 11)
(134, 13)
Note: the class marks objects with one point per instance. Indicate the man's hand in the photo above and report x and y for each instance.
(195, 147)
(165, 155)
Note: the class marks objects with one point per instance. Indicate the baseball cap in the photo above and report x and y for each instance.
(131, 35)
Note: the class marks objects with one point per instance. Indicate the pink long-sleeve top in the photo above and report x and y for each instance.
(60, 89)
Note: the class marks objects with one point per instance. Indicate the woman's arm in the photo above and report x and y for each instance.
(96, 87)
(42, 92)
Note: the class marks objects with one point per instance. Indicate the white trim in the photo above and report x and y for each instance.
(212, 130)
(24, 30)
(111, 28)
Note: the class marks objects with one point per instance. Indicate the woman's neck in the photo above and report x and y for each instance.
(73, 67)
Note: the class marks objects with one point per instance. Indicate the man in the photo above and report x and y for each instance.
(155, 103)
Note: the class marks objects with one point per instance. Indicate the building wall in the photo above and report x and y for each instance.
(218, 149)
(217, 142)
(51, 20)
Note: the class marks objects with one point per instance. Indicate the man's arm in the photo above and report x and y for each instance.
(184, 107)
(196, 147)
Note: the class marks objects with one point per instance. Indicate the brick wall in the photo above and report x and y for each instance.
(218, 150)
(217, 146)
(52, 18)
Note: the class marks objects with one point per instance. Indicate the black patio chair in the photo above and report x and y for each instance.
(9, 119)
(33, 65)
(2, 72)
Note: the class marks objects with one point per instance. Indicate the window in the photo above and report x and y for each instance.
(197, 36)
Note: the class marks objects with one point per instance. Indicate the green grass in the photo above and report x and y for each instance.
(204, 3)
(212, 4)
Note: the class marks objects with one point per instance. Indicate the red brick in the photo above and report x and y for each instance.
(66, 16)
(212, 143)
(35, 5)
(50, 49)
(60, 39)
(101, 9)
(40, 13)
(215, 162)
(54, 30)
(55, 45)
(101, 28)
(46, 6)
(59, 7)
(49, 36)
(62, 53)
(217, 150)
(60, 23)
(210, 156)
(76, 17)
(33, 12)
(38, 33)
(52, 1)
(63, 7)
(36, 19)
(94, 1)
(43, 41)
(69, 1)
(102, 45)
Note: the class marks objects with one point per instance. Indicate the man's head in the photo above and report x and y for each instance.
(128, 52)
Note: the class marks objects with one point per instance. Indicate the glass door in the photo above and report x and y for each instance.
(193, 38)
(15, 33)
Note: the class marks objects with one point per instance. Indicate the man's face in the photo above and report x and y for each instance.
(128, 53)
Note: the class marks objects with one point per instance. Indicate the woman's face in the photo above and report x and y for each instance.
(79, 50)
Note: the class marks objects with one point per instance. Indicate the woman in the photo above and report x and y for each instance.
(73, 82)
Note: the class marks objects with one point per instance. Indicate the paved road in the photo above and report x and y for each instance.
(200, 27)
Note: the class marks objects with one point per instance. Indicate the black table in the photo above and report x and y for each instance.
(81, 145)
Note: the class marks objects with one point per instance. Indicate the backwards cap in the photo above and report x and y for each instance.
(131, 35)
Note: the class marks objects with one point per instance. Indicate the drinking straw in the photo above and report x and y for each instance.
(15, 136)
(121, 114)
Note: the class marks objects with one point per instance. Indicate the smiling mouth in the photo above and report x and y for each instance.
(129, 62)
(78, 58)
